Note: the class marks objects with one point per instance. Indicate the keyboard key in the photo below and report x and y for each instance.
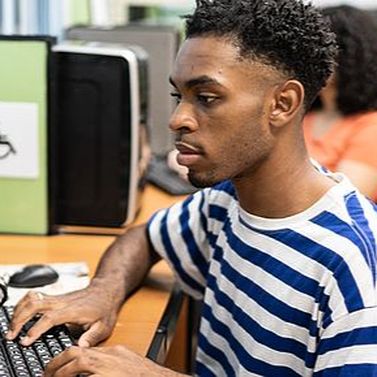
(19, 361)
(16, 358)
(43, 352)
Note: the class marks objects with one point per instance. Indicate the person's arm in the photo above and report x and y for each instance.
(120, 271)
(125, 264)
(348, 346)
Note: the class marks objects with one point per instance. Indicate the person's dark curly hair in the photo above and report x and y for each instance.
(289, 35)
(356, 73)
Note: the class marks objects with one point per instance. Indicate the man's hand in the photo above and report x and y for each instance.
(92, 308)
(116, 361)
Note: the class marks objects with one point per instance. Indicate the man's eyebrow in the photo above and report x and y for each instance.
(201, 80)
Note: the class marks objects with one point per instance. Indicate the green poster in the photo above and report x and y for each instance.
(25, 205)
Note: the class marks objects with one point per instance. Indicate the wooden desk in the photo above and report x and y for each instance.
(141, 314)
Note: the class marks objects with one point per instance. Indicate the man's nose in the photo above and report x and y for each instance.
(183, 119)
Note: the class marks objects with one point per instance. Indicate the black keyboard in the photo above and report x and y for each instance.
(20, 361)
(167, 179)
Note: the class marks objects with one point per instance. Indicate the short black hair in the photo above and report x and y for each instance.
(289, 35)
(356, 32)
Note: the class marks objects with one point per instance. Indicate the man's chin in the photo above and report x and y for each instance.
(201, 182)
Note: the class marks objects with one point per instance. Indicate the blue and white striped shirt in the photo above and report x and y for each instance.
(282, 297)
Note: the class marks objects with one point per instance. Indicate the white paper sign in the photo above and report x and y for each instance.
(19, 157)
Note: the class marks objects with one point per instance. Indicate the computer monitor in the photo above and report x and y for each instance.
(161, 43)
(102, 106)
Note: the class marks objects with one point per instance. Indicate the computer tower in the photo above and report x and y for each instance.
(161, 42)
(100, 120)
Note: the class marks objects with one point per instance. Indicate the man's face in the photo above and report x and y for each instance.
(222, 116)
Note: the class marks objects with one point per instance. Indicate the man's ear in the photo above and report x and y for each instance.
(287, 103)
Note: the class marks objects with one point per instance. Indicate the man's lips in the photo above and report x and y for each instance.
(188, 154)
(185, 148)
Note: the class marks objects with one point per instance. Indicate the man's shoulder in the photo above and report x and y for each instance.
(351, 216)
(225, 187)
(222, 193)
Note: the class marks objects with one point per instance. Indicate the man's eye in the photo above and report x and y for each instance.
(206, 99)
(177, 97)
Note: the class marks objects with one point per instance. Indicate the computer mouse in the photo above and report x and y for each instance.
(33, 275)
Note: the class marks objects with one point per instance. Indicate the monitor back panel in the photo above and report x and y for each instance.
(26, 135)
(161, 43)
(94, 133)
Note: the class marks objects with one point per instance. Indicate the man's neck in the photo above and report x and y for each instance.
(284, 191)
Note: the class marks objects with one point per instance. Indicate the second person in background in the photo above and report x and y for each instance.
(342, 134)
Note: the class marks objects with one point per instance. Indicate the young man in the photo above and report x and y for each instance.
(283, 255)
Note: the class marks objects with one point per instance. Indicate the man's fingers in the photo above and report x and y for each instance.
(95, 334)
(59, 362)
(73, 361)
(71, 369)
(44, 323)
(32, 304)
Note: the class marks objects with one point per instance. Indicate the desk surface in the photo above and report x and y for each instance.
(142, 312)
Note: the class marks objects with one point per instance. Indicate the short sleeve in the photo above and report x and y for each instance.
(179, 235)
(348, 347)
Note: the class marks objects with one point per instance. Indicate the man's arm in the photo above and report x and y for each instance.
(125, 264)
(348, 346)
(121, 269)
